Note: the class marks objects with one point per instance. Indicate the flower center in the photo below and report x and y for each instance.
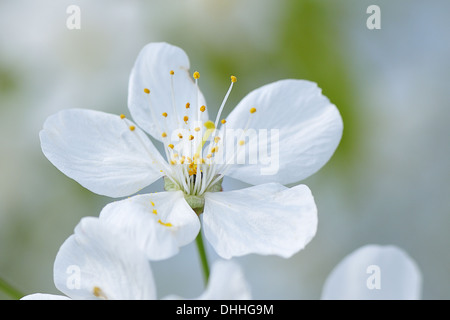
(190, 149)
(194, 151)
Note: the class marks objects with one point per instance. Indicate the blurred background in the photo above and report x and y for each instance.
(388, 182)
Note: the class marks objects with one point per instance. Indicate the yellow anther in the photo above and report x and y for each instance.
(241, 142)
(152, 203)
(188, 105)
(252, 110)
(197, 129)
(209, 125)
(214, 149)
(173, 162)
(209, 156)
(132, 128)
(233, 79)
(154, 211)
(180, 136)
(172, 72)
(122, 116)
(202, 108)
(185, 118)
(223, 121)
(191, 137)
(175, 155)
(170, 146)
(163, 134)
(164, 114)
(147, 91)
(99, 293)
(196, 75)
(166, 224)
(216, 139)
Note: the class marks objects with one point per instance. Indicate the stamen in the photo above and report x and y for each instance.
(175, 113)
(188, 105)
(171, 146)
(223, 121)
(154, 211)
(163, 134)
(197, 114)
(202, 108)
(164, 114)
(122, 116)
(146, 90)
(241, 142)
(252, 110)
(162, 165)
(233, 80)
(186, 118)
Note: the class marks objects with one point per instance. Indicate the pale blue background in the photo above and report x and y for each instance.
(388, 183)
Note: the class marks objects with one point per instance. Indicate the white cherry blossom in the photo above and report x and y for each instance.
(95, 263)
(111, 155)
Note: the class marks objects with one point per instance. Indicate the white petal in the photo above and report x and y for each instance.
(152, 71)
(100, 152)
(44, 296)
(135, 218)
(295, 123)
(265, 219)
(374, 272)
(96, 263)
(226, 282)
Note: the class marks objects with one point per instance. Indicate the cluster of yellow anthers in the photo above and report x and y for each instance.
(195, 171)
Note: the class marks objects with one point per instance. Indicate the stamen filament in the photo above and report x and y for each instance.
(175, 113)
(162, 165)
(224, 101)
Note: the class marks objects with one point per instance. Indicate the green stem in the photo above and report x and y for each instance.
(10, 290)
(203, 257)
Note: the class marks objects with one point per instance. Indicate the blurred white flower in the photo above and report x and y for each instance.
(110, 155)
(95, 263)
(374, 272)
